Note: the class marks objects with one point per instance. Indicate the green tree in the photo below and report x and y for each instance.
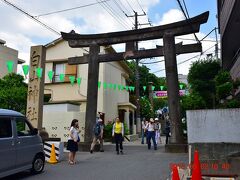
(201, 77)
(225, 87)
(13, 93)
(146, 109)
(159, 103)
(192, 101)
(145, 77)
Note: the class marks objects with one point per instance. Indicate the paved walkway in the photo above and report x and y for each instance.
(137, 163)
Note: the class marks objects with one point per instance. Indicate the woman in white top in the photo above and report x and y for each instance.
(151, 134)
(73, 140)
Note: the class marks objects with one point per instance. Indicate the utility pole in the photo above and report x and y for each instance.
(137, 77)
(216, 45)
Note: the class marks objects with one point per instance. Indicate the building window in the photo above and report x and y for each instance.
(66, 69)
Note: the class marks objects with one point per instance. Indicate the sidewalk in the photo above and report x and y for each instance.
(138, 142)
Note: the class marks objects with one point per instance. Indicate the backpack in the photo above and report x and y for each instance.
(97, 129)
(156, 126)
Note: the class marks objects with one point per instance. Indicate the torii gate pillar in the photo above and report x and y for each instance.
(173, 89)
(92, 91)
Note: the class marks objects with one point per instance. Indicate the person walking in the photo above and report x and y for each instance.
(118, 134)
(98, 135)
(167, 130)
(143, 130)
(146, 131)
(72, 144)
(157, 127)
(151, 134)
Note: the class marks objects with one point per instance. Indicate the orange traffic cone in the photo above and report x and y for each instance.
(196, 173)
(175, 175)
(52, 159)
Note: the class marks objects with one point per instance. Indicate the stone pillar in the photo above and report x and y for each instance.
(173, 88)
(126, 118)
(134, 130)
(35, 94)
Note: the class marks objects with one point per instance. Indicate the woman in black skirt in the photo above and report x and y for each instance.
(73, 140)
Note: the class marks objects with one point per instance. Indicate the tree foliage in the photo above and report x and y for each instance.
(225, 90)
(201, 77)
(159, 103)
(192, 101)
(13, 93)
(145, 77)
(146, 109)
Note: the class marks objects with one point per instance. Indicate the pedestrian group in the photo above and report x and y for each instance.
(150, 129)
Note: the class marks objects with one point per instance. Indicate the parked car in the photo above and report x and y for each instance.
(21, 147)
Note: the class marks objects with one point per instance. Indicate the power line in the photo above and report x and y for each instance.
(130, 5)
(111, 13)
(203, 39)
(70, 9)
(185, 8)
(186, 16)
(30, 16)
(189, 39)
(187, 59)
(141, 7)
(119, 6)
(208, 34)
(152, 62)
(124, 6)
(117, 14)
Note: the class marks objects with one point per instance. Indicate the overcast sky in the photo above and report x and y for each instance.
(20, 32)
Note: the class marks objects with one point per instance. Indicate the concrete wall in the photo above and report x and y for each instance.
(213, 126)
(60, 108)
(113, 74)
(57, 124)
(7, 54)
(235, 71)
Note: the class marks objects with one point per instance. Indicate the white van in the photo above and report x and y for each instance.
(21, 147)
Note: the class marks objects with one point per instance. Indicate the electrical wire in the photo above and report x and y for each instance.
(111, 13)
(152, 62)
(116, 14)
(187, 59)
(141, 7)
(32, 17)
(119, 6)
(124, 6)
(189, 39)
(130, 6)
(70, 9)
(187, 17)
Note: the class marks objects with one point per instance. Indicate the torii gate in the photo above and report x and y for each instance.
(169, 51)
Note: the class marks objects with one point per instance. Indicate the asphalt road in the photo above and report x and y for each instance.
(137, 163)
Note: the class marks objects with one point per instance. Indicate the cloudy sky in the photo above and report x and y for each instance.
(20, 32)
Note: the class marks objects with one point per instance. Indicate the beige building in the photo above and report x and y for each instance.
(69, 101)
(8, 54)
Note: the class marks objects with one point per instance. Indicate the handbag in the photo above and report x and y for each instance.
(78, 140)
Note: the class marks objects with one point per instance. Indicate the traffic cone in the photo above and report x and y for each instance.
(52, 159)
(196, 173)
(175, 175)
